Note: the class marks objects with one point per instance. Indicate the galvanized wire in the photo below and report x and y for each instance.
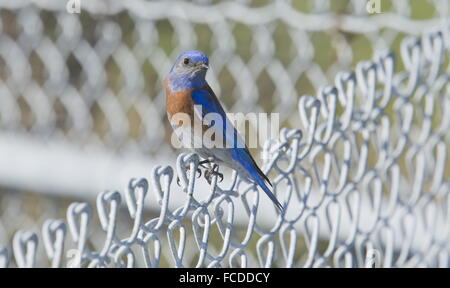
(363, 170)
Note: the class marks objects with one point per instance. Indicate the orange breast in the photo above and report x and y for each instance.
(178, 102)
(181, 102)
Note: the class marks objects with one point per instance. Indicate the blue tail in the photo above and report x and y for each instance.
(242, 155)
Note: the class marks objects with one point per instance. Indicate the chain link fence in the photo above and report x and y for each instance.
(361, 166)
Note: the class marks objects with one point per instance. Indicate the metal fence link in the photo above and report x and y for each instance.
(361, 165)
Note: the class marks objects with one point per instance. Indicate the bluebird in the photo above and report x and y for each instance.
(188, 93)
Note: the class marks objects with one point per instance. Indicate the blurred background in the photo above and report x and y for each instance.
(82, 109)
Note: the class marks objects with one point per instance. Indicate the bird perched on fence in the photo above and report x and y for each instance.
(190, 100)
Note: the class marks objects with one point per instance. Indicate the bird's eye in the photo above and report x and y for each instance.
(186, 61)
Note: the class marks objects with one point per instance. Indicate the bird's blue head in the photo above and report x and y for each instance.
(188, 71)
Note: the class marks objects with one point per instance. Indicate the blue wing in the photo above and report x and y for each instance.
(243, 156)
(210, 104)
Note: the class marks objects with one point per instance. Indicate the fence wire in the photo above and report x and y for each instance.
(361, 167)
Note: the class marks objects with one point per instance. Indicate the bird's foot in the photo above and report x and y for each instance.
(214, 171)
(187, 168)
(206, 161)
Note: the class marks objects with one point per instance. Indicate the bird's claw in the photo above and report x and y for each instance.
(209, 173)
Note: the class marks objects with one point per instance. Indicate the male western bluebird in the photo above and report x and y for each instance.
(187, 92)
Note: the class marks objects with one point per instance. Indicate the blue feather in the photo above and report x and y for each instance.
(242, 155)
(210, 104)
